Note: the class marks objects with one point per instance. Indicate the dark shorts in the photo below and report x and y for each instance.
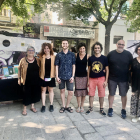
(123, 87)
(47, 84)
(68, 85)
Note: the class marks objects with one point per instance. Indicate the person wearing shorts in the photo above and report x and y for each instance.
(119, 64)
(65, 71)
(97, 76)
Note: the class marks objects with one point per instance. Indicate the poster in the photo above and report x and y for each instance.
(12, 49)
(8, 43)
(131, 45)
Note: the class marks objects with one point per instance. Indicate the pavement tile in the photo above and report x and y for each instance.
(53, 132)
(72, 134)
(123, 136)
(100, 122)
(93, 136)
(75, 116)
(108, 130)
(64, 120)
(84, 127)
(93, 115)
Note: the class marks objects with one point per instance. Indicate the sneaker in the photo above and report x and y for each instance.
(110, 112)
(43, 109)
(135, 119)
(51, 108)
(123, 113)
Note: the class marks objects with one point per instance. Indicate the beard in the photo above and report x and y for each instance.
(120, 49)
(65, 48)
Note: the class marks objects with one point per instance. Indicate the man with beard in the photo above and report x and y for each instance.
(65, 71)
(119, 64)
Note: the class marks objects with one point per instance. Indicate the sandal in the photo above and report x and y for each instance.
(33, 110)
(69, 109)
(78, 110)
(82, 110)
(62, 110)
(90, 110)
(24, 113)
(102, 112)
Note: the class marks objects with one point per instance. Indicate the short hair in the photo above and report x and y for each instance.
(81, 45)
(97, 43)
(136, 49)
(43, 47)
(65, 40)
(73, 49)
(30, 47)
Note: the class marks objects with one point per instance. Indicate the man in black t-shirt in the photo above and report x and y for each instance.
(119, 63)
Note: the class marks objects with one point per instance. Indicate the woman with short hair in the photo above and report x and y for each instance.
(135, 97)
(81, 78)
(28, 75)
(47, 74)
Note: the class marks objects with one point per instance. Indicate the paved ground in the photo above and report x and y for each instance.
(66, 126)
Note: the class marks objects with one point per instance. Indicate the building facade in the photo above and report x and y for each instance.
(118, 31)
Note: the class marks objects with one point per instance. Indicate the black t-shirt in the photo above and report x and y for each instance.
(97, 65)
(47, 68)
(119, 64)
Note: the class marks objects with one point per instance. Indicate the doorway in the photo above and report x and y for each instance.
(72, 43)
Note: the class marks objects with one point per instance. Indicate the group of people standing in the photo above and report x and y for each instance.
(38, 74)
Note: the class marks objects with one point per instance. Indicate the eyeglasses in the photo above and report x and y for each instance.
(30, 50)
(121, 44)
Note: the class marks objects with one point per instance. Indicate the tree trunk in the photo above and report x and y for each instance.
(107, 38)
(1, 2)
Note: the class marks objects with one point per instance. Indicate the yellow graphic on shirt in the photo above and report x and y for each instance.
(97, 66)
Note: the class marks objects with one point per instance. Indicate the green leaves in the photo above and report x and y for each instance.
(133, 16)
(24, 9)
(104, 10)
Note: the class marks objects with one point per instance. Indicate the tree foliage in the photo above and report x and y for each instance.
(24, 9)
(133, 16)
(105, 11)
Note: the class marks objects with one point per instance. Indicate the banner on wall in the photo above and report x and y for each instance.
(13, 49)
(131, 45)
(8, 43)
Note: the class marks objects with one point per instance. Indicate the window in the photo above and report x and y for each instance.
(4, 12)
(116, 39)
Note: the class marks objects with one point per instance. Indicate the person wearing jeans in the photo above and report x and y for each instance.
(65, 71)
(119, 64)
(97, 76)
